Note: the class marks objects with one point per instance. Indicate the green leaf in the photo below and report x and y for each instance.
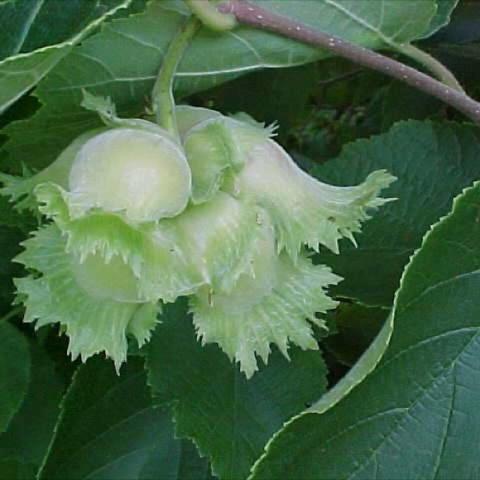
(373, 24)
(109, 429)
(26, 23)
(122, 61)
(12, 469)
(31, 429)
(416, 415)
(433, 163)
(229, 418)
(276, 96)
(401, 102)
(14, 371)
(442, 17)
(365, 365)
(28, 50)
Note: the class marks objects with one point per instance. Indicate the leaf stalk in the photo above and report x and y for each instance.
(210, 16)
(433, 65)
(163, 101)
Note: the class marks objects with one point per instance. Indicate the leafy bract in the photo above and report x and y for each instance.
(423, 395)
(108, 428)
(304, 210)
(229, 417)
(274, 306)
(433, 163)
(28, 51)
(212, 151)
(96, 319)
(123, 60)
(14, 371)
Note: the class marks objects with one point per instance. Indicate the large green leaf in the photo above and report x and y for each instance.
(383, 23)
(39, 34)
(108, 429)
(229, 417)
(31, 429)
(416, 416)
(433, 163)
(123, 60)
(14, 371)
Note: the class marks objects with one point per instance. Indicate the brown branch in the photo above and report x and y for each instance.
(253, 15)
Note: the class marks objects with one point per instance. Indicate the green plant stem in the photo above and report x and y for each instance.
(433, 65)
(253, 15)
(163, 101)
(210, 16)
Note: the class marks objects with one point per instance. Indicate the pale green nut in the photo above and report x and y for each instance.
(257, 280)
(218, 237)
(211, 151)
(188, 116)
(142, 174)
(112, 280)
